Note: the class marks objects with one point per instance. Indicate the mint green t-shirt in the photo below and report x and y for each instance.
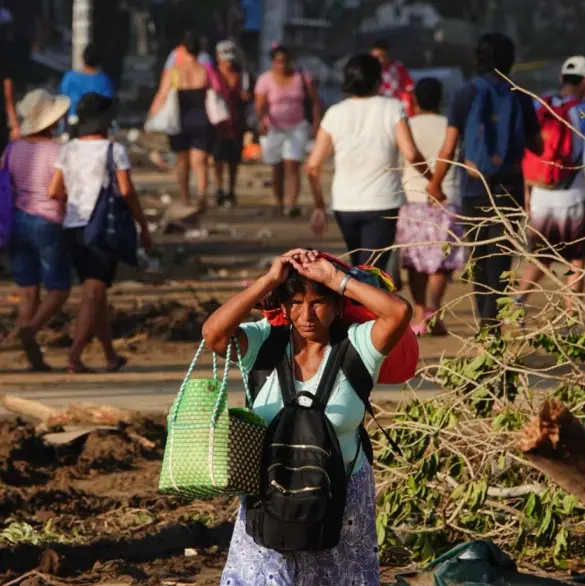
(345, 409)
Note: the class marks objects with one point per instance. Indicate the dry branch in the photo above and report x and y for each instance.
(554, 442)
(28, 408)
(76, 413)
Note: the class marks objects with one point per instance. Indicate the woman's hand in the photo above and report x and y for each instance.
(318, 269)
(435, 192)
(279, 271)
(146, 239)
(319, 222)
(282, 265)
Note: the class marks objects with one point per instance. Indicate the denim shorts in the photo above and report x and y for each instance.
(38, 253)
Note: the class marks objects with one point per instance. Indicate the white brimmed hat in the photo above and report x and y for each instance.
(574, 66)
(39, 110)
(226, 50)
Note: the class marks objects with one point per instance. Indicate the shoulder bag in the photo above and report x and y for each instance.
(211, 450)
(111, 227)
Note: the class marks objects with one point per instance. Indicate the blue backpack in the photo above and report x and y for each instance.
(494, 139)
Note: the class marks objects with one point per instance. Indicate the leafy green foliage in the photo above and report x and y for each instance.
(460, 478)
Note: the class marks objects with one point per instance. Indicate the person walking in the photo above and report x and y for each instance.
(425, 227)
(311, 292)
(285, 100)
(229, 135)
(488, 107)
(76, 84)
(195, 141)
(396, 80)
(80, 172)
(38, 254)
(555, 194)
(367, 133)
(398, 84)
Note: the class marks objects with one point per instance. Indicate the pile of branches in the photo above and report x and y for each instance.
(497, 454)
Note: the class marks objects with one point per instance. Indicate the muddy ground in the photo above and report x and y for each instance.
(89, 513)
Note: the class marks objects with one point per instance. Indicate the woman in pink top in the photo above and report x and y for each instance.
(37, 250)
(285, 100)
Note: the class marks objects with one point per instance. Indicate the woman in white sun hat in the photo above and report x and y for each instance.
(38, 254)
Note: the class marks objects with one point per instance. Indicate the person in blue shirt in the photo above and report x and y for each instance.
(76, 84)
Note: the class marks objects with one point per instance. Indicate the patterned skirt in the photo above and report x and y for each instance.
(354, 562)
(420, 224)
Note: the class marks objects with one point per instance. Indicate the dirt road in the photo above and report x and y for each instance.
(158, 325)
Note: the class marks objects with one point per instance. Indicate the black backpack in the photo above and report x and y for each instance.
(303, 483)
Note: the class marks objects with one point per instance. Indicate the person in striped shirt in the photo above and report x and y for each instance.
(38, 253)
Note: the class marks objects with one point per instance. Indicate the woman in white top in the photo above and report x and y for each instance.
(80, 173)
(424, 225)
(367, 133)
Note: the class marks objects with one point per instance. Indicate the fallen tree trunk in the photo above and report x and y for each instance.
(92, 413)
(555, 444)
(76, 413)
(28, 408)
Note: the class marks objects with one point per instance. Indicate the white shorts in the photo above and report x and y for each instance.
(285, 145)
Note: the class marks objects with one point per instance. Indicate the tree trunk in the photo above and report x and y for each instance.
(553, 443)
(28, 408)
(81, 29)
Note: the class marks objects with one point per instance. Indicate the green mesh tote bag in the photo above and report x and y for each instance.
(211, 450)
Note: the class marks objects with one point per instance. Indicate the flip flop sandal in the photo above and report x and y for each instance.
(79, 369)
(294, 212)
(419, 329)
(44, 367)
(119, 364)
(31, 349)
(439, 328)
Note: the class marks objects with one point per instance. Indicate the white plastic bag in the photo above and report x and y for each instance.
(168, 119)
(216, 108)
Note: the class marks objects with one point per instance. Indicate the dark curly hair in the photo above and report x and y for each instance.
(494, 51)
(294, 284)
(362, 75)
(280, 50)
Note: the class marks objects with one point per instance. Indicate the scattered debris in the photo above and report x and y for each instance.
(88, 511)
(264, 234)
(553, 442)
(133, 135)
(196, 234)
(136, 323)
(76, 413)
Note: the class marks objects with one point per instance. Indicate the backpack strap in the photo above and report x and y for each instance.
(361, 380)
(272, 352)
(332, 368)
(286, 381)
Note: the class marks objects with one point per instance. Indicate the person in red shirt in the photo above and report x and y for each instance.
(396, 80)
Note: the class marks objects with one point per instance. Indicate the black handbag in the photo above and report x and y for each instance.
(111, 227)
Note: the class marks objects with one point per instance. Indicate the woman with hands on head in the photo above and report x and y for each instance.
(311, 291)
